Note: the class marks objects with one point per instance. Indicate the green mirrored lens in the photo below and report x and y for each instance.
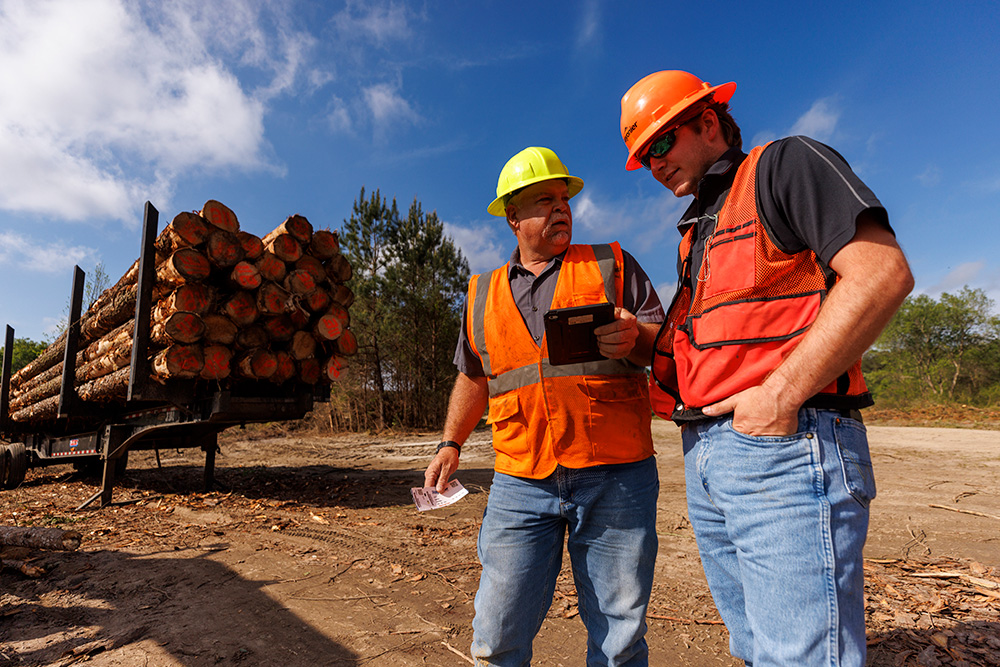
(661, 146)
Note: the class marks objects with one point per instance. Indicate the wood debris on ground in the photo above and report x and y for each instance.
(932, 612)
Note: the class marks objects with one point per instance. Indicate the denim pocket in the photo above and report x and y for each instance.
(855, 461)
(765, 440)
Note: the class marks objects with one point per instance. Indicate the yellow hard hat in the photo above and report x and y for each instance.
(532, 165)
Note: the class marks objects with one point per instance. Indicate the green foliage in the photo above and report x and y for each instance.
(25, 351)
(409, 281)
(944, 350)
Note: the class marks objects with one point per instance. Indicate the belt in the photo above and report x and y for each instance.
(852, 414)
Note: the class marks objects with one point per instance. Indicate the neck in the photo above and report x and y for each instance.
(534, 262)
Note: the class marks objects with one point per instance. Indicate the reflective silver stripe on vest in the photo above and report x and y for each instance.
(606, 262)
(479, 318)
(528, 375)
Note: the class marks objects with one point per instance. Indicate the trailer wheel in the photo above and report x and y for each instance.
(4, 464)
(16, 465)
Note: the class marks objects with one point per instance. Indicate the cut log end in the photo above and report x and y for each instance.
(220, 215)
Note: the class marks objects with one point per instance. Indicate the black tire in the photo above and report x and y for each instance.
(4, 464)
(17, 465)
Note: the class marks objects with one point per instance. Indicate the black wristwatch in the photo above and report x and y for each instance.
(449, 443)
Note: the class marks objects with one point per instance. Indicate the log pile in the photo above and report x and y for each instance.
(227, 305)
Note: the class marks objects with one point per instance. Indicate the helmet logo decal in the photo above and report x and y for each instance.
(630, 130)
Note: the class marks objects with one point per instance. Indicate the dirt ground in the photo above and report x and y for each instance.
(313, 554)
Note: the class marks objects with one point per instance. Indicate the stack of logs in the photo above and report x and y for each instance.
(226, 303)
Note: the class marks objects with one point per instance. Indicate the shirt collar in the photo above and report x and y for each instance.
(717, 180)
(514, 266)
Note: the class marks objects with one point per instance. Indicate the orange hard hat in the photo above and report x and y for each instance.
(654, 101)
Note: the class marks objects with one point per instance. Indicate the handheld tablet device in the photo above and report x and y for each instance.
(570, 332)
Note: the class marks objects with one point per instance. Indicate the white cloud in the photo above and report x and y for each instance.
(930, 176)
(24, 254)
(666, 292)
(486, 246)
(819, 122)
(379, 22)
(977, 275)
(654, 219)
(388, 109)
(588, 31)
(115, 99)
(966, 273)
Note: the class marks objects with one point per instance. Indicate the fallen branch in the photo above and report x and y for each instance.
(39, 538)
(458, 653)
(973, 513)
(23, 567)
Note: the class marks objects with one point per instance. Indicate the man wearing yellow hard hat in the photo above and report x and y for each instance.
(789, 271)
(574, 455)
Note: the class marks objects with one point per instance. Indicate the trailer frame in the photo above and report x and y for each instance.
(174, 414)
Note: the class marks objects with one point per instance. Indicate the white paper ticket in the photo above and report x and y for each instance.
(427, 498)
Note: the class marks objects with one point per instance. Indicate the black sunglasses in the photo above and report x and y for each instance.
(662, 144)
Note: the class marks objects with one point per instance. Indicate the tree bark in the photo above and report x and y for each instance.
(40, 538)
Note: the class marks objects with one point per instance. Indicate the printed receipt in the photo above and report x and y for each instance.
(428, 498)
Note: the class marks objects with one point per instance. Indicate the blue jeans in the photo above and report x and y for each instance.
(609, 512)
(780, 524)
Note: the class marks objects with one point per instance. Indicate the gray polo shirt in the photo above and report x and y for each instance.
(533, 296)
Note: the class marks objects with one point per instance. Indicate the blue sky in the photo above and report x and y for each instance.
(292, 106)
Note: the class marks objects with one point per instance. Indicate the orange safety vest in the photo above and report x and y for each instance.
(751, 304)
(574, 415)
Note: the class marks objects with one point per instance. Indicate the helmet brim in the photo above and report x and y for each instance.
(573, 183)
(722, 93)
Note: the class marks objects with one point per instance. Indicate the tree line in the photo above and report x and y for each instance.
(409, 282)
(943, 350)
(409, 285)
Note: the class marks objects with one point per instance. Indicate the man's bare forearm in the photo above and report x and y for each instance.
(469, 400)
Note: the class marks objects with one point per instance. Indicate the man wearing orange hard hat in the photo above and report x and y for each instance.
(789, 270)
(571, 427)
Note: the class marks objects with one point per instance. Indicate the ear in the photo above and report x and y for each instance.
(512, 220)
(710, 124)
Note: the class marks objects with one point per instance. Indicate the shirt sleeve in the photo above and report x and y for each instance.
(466, 360)
(810, 198)
(639, 297)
